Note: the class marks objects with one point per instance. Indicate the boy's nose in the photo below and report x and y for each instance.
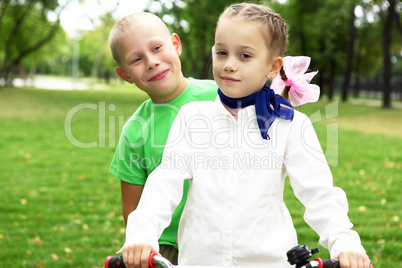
(152, 62)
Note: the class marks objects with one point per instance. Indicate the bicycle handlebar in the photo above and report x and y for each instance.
(297, 255)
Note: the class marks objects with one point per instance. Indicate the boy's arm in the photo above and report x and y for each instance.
(163, 190)
(130, 197)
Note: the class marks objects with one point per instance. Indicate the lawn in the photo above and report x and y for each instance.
(59, 206)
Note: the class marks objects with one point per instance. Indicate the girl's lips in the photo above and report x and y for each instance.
(159, 76)
(228, 79)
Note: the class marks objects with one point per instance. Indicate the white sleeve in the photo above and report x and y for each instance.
(163, 189)
(312, 182)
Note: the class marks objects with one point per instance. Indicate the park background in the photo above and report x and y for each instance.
(60, 207)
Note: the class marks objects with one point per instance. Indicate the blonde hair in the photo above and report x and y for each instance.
(127, 25)
(277, 36)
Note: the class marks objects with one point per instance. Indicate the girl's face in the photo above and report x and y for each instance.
(242, 62)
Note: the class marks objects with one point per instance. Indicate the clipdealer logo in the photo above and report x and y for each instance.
(101, 110)
(110, 128)
(327, 118)
(199, 160)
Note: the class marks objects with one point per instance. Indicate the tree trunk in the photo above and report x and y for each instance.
(387, 40)
(322, 73)
(321, 82)
(4, 75)
(356, 92)
(3, 7)
(331, 80)
(301, 31)
(349, 65)
(357, 85)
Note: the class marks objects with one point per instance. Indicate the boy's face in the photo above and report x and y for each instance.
(150, 59)
(242, 61)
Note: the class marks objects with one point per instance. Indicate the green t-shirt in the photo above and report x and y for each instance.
(144, 137)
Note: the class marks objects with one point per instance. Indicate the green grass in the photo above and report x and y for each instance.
(59, 206)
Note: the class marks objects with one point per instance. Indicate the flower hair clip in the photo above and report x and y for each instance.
(301, 91)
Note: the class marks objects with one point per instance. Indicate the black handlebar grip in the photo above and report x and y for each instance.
(333, 264)
(330, 264)
(114, 262)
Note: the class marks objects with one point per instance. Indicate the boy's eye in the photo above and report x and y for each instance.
(136, 60)
(157, 48)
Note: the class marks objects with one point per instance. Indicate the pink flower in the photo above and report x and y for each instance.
(301, 91)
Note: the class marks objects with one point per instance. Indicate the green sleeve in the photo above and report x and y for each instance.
(127, 164)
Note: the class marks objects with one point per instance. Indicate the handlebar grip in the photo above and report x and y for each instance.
(330, 263)
(114, 262)
(150, 260)
(154, 261)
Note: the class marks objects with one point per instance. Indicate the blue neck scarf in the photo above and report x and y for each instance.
(268, 106)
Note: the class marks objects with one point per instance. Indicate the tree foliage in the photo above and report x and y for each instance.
(341, 45)
(95, 56)
(24, 29)
(346, 46)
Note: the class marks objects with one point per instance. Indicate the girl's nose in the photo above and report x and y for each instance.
(230, 66)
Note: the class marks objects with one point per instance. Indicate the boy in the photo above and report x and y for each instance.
(148, 56)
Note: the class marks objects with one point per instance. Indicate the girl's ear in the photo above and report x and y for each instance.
(176, 43)
(123, 74)
(275, 68)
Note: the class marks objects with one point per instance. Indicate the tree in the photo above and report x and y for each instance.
(351, 50)
(318, 29)
(95, 56)
(24, 29)
(391, 17)
(53, 58)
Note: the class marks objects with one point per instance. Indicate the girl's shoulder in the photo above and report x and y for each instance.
(198, 107)
(299, 116)
(299, 122)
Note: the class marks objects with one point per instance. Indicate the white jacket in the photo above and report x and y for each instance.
(235, 214)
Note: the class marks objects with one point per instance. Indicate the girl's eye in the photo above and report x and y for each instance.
(221, 53)
(157, 48)
(245, 56)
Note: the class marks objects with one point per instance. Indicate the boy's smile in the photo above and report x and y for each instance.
(159, 76)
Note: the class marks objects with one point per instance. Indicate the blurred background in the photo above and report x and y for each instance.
(355, 44)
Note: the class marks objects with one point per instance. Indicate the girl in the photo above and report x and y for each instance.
(236, 152)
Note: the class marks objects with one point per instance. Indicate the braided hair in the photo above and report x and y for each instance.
(285, 92)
